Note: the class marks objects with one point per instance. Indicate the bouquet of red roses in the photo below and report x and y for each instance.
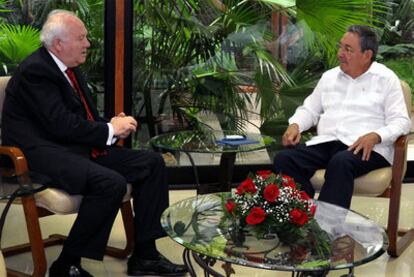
(272, 204)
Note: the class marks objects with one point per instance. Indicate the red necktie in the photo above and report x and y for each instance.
(69, 71)
(78, 90)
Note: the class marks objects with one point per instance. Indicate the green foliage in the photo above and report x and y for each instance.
(394, 51)
(16, 43)
(404, 68)
(3, 9)
(19, 36)
(323, 22)
(398, 24)
(200, 54)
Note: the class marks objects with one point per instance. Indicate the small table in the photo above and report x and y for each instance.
(210, 141)
(196, 223)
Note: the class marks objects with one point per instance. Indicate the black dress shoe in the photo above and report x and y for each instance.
(57, 270)
(159, 267)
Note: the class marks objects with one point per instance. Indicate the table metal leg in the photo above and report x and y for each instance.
(187, 263)
(226, 170)
(225, 174)
(195, 172)
(350, 273)
(206, 263)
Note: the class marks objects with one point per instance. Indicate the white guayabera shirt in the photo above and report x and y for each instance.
(345, 109)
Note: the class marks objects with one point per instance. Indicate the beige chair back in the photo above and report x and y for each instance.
(3, 272)
(3, 84)
(408, 102)
(407, 95)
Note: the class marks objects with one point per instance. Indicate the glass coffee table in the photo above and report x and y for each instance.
(196, 223)
(212, 142)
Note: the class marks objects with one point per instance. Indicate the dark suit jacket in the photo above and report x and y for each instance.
(44, 117)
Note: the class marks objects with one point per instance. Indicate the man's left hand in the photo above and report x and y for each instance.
(366, 144)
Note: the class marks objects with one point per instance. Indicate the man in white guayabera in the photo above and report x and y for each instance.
(359, 111)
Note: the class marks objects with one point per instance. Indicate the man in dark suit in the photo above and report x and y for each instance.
(49, 114)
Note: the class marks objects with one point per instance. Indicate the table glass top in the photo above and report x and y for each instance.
(211, 141)
(197, 224)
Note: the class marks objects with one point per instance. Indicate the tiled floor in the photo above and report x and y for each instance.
(372, 207)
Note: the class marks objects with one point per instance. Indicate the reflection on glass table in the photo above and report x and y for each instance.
(226, 143)
(198, 224)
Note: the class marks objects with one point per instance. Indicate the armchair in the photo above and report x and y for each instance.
(385, 182)
(49, 202)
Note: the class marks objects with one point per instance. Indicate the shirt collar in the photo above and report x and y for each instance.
(58, 62)
(373, 69)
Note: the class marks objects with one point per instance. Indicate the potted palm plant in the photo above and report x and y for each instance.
(201, 55)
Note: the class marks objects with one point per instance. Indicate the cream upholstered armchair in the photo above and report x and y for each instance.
(385, 182)
(3, 272)
(52, 201)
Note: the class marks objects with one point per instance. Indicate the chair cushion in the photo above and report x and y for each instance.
(60, 202)
(372, 184)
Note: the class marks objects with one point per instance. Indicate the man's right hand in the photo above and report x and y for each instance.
(291, 136)
(123, 125)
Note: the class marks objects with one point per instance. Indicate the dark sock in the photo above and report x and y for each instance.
(66, 259)
(146, 250)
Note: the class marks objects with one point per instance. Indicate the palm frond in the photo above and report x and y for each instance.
(324, 24)
(18, 41)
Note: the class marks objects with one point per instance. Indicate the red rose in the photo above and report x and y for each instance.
(256, 216)
(298, 217)
(264, 173)
(230, 206)
(271, 193)
(288, 181)
(246, 186)
(313, 210)
(304, 195)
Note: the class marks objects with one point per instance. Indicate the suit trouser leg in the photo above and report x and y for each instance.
(341, 165)
(146, 171)
(90, 232)
(301, 162)
(340, 173)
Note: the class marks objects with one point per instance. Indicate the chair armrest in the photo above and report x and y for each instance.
(401, 143)
(17, 157)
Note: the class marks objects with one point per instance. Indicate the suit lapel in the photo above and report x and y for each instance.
(61, 78)
(86, 93)
(70, 90)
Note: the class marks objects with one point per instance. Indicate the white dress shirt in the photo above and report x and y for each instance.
(344, 108)
(111, 139)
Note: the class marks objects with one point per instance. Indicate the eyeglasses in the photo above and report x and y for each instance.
(348, 49)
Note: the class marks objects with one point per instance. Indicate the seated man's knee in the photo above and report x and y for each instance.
(282, 158)
(342, 160)
(116, 185)
(344, 157)
(156, 159)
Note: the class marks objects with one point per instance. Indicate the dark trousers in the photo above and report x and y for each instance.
(105, 186)
(342, 167)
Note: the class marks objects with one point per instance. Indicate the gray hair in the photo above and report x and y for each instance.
(367, 39)
(55, 26)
